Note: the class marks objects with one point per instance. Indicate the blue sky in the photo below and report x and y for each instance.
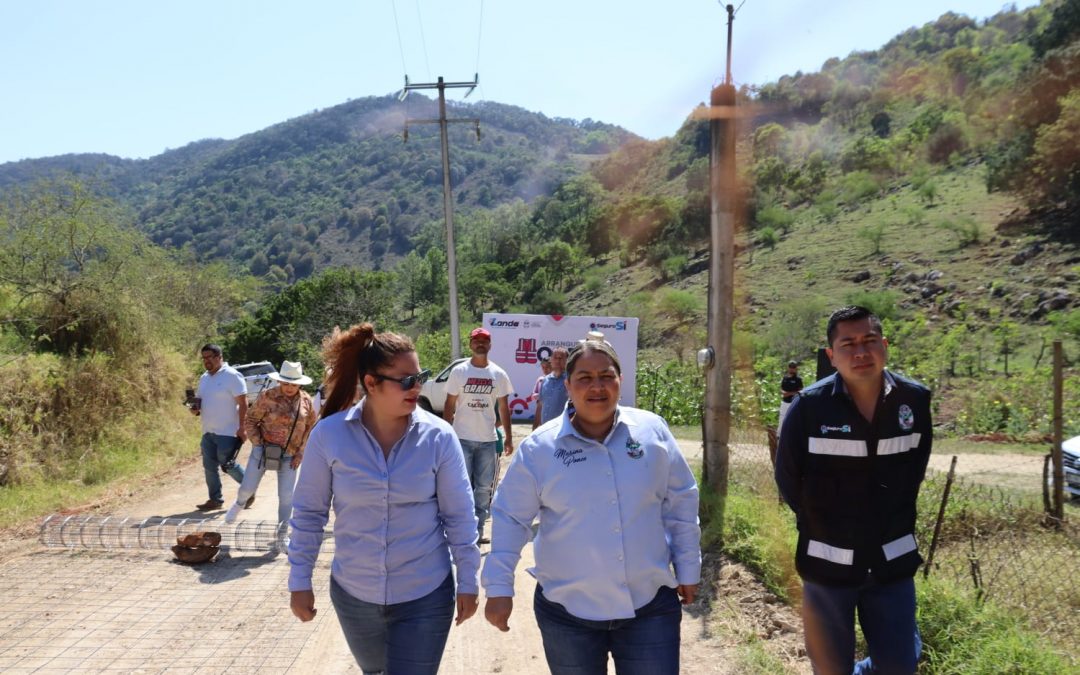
(133, 78)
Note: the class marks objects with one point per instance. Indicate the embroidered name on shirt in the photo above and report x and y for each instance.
(568, 457)
(846, 429)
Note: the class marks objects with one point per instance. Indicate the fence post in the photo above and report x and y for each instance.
(940, 518)
(1059, 472)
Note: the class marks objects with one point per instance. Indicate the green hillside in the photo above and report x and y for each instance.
(935, 179)
(336, 187)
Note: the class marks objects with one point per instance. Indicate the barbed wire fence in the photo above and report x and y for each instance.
(995, 541)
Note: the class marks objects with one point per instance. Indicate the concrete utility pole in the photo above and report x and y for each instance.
(448, 203)
(716, 358)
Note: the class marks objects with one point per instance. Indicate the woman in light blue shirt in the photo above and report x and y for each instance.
(395, 476)
(618, 506)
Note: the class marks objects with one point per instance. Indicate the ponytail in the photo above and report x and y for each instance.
(353, 353)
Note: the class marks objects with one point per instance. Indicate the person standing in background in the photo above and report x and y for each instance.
(473, 391)
(222, 395)
(790, 386)
(545, 368)
(553, 394)
(278, 426)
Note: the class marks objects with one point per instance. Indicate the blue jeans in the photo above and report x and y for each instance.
(480, 460)
(216, 450)
(286, 480)
(886, 614)
(403, 639)
(648, 644)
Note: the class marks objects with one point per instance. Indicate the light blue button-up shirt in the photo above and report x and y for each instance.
(614, 516)
(397, 519)
(553, 396)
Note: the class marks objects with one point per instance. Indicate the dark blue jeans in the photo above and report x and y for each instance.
(407, 638)
(886, 614)
(648, 644)
(216, 450)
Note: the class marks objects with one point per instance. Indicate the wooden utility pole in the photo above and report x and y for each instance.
(716, 358)
(448, 202)
(1056, 459)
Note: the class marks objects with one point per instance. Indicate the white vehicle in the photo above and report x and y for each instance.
(257, 376)
(1070, 460)
(433, 392)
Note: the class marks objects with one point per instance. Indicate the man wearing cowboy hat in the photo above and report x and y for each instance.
(278, 426)
(222, 407)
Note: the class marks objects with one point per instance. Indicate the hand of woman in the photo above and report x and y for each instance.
(466, 607)
(687, 592)
(295, 463)
(497, 612)
(302, 604)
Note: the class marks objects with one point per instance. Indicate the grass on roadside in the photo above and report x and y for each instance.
(962, 635)
(143, 445)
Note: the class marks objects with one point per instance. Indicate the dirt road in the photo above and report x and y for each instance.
(139, 611)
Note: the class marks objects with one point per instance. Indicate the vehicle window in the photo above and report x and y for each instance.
(257, 369)
(445, 374)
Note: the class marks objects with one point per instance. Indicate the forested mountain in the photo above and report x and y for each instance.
(335, 187)
(936, 179)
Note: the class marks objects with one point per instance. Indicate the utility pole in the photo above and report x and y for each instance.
(716, 358)
(448, 203)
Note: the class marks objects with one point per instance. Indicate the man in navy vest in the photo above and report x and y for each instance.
(853, 452)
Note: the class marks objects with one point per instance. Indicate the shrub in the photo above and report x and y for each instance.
(776, 217)
(873, 233)
(882, 303)
(672, 267)
(767, 237)
(966, 229)
(858, 186)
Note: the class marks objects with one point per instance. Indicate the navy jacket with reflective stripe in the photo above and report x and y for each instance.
(853, 484)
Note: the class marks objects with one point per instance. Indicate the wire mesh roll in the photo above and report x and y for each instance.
(111, 533)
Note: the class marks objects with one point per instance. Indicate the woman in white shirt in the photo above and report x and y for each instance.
(618, 543)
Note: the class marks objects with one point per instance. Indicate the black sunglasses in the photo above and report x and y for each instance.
(409, 381)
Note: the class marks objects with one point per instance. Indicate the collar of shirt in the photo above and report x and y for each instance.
(838, 388)
(567, 428)
(355, 414)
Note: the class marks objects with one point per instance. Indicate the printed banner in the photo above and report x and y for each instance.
(519, 341)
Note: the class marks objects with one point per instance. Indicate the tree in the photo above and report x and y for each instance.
(1056, 159)
(875, 234)
(1005, 335)
(413, 274)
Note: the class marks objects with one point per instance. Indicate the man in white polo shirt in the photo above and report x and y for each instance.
(222, 407)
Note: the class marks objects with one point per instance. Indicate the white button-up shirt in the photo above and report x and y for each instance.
(614, 516)
(397, 519)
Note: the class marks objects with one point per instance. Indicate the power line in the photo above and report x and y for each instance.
(480, 35)
(423, 40)
(397, 28)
